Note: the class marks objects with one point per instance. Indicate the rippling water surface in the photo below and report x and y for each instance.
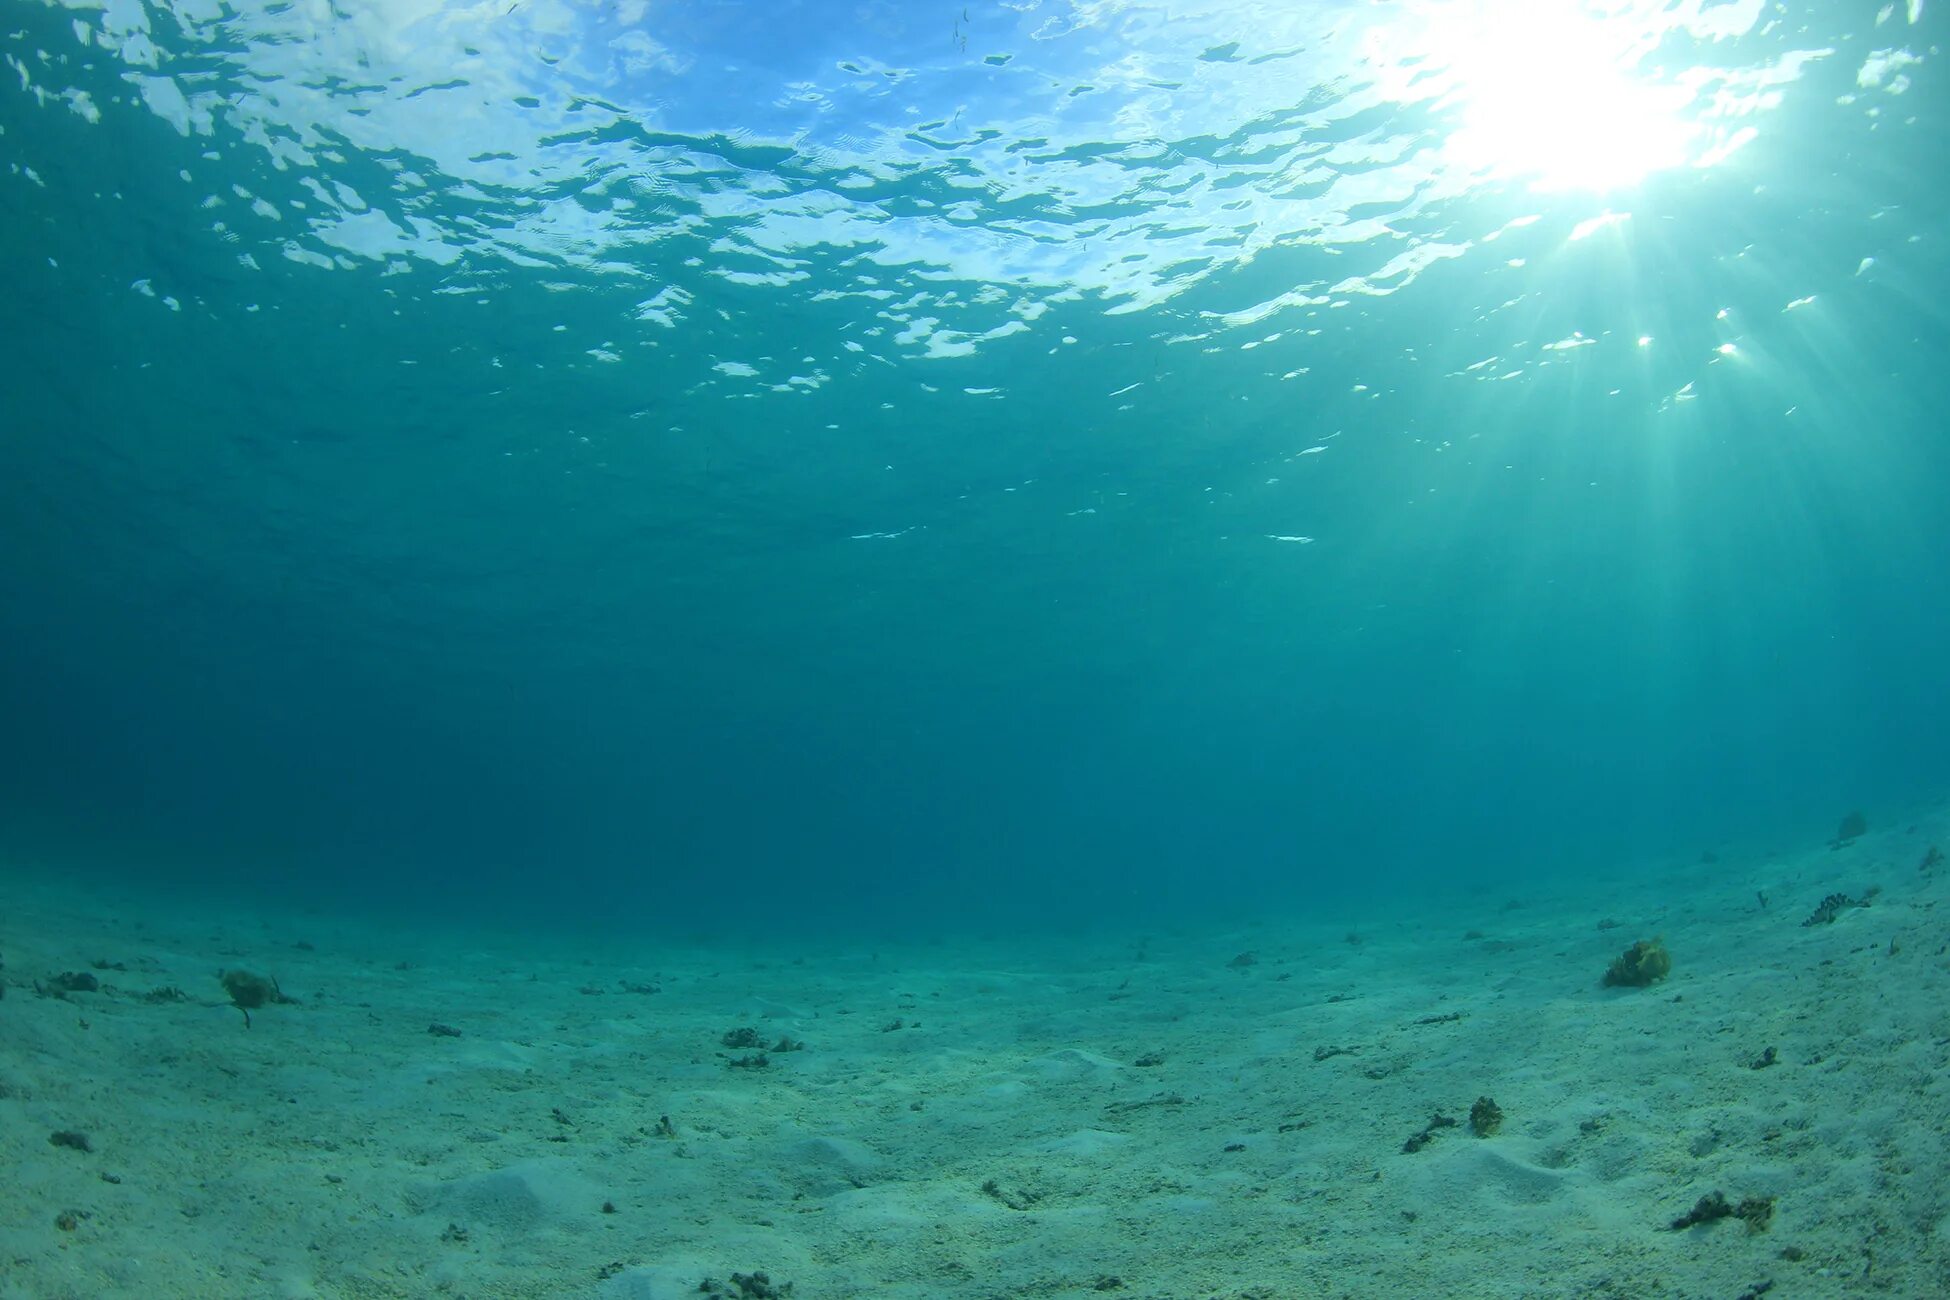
(951, 173)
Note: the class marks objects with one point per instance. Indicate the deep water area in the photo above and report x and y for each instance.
(906, 467)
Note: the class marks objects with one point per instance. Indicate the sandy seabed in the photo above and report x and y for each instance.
(1179, 1115)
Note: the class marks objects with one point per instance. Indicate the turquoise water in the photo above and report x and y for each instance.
(903, 464)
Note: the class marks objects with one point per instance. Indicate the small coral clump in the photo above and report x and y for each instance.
(1835, 904)
(1643, 964)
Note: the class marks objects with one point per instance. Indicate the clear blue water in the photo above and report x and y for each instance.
(903, 465)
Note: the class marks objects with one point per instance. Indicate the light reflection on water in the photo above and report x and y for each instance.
(1124, 151)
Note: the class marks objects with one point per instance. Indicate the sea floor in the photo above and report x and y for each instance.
(1191, 1114)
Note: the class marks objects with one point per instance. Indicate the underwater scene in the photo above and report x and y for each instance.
(1166, 649)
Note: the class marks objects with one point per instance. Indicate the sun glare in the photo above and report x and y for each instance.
(1555, 95)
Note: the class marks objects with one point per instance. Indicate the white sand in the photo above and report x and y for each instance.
(1003, 1142)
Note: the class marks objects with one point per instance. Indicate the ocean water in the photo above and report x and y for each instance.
(973, 651)
(909, 464)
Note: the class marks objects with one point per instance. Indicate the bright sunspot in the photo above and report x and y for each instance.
(1557, 96)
